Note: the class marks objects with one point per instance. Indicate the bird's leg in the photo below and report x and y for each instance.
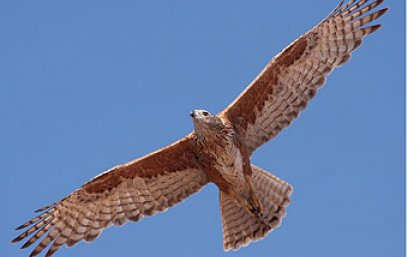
(249, 202)
(256, 206)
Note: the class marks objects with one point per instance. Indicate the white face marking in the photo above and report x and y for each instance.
(205, 123)
(200, 114)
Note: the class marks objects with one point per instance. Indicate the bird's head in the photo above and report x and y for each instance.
(204, 121)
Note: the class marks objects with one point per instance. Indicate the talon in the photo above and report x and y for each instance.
(256, 211)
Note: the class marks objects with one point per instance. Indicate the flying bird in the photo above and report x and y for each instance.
(252, 200)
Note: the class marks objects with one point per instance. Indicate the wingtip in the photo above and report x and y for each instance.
(340, 4)
(334, 11)
(26, 245)
(376, 27)
(15, 240)
(40, 209)
(376, 15)
(18, 238)
(380, 13)
(34, 253)
(45, 207)
(383, 11)
(20, 227)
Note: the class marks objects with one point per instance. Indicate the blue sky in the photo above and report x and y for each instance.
(86, 85)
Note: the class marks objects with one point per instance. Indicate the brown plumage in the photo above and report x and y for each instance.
(252, 201)
(285, 86)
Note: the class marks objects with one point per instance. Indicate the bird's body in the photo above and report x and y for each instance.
(221, 154)
(219, 150)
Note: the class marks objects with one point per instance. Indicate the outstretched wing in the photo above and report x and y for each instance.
(285, 86)
(127, 192)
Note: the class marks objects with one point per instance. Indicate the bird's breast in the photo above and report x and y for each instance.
(222, 157)
(230, 166)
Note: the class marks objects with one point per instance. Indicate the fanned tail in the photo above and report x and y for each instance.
(240, 227)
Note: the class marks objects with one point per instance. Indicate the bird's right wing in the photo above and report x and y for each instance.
(127, 192)
(285, 86)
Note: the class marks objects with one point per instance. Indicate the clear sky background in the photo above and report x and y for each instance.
(87, 85)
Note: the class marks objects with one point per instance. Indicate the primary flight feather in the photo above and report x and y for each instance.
(252, 201)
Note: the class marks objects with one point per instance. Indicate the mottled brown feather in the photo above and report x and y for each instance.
(286, 85)
(127, 192)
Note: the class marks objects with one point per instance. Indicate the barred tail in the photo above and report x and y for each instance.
(240, 227)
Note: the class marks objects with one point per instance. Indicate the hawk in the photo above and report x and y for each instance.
(252, 201)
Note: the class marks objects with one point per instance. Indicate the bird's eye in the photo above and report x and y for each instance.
(205, 113)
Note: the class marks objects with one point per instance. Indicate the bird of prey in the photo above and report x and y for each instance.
(252, 201)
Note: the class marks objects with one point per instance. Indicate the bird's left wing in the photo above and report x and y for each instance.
(285, 86)
(127, 192)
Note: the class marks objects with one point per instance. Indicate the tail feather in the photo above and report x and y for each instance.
(240, 227)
